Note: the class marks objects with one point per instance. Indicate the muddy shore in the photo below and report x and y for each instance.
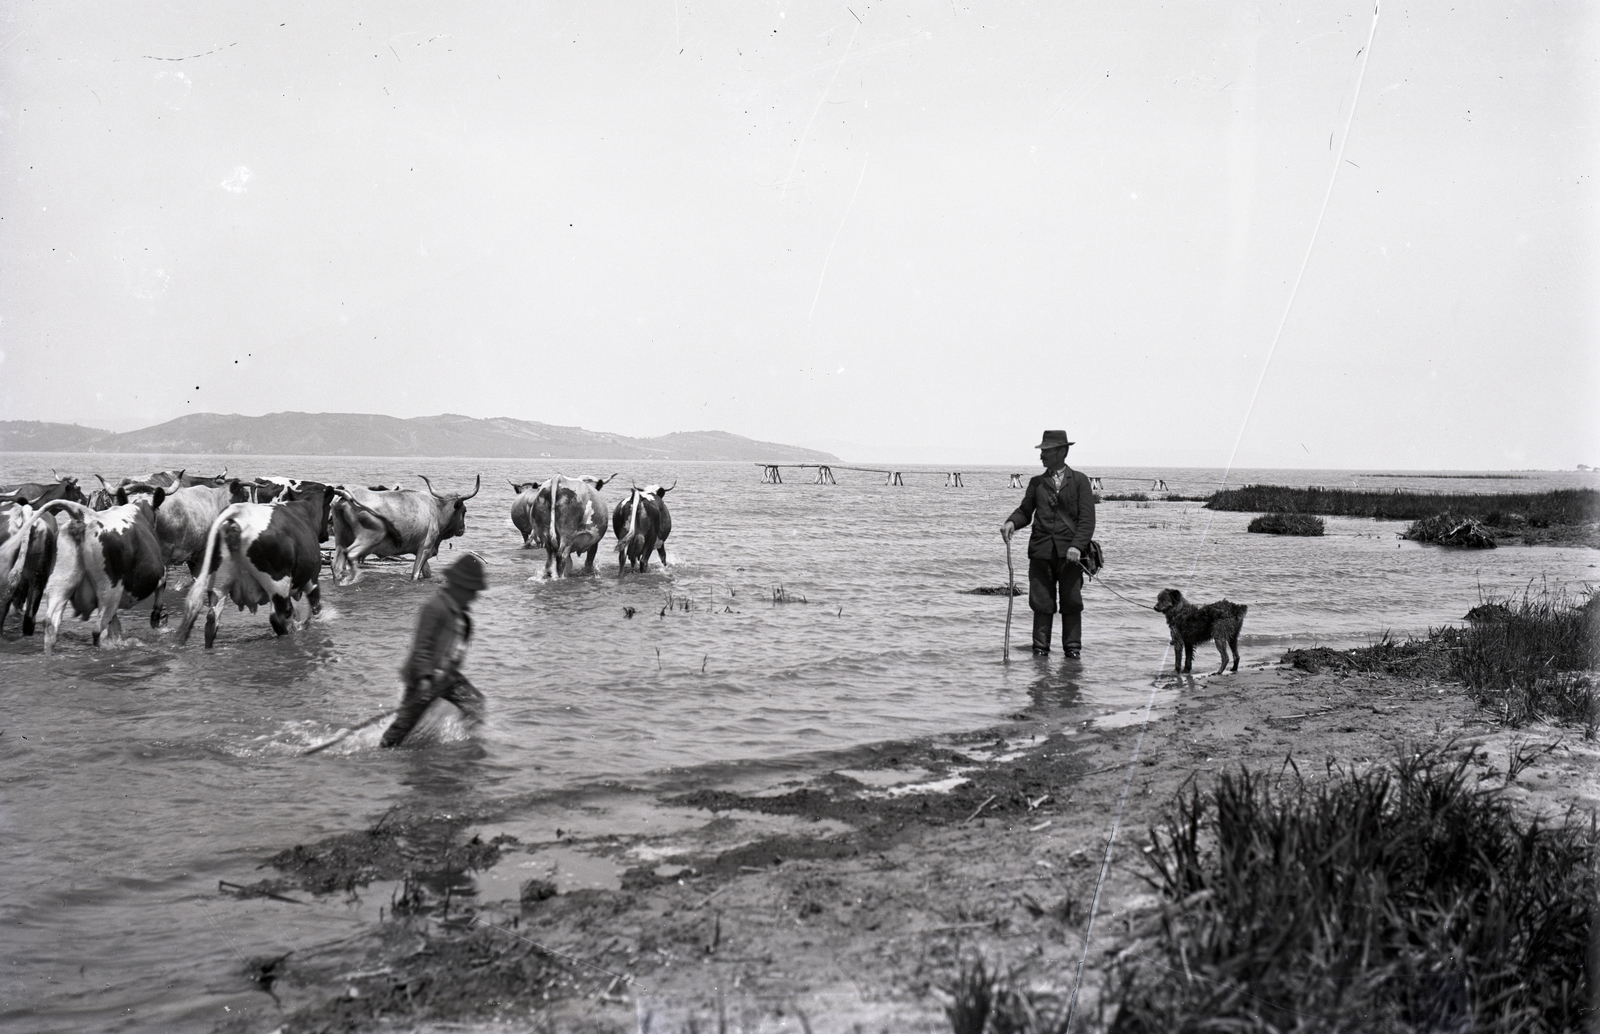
(842, 900)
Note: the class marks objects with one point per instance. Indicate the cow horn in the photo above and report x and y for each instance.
(670, 487)
(103, 483)
(425, 481)
(477, 483)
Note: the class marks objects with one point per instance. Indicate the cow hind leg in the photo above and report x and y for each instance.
(282, 614)
(30, 609)
(1221, 643)
(109, 621)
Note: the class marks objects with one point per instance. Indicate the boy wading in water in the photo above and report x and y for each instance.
(434, 668)
(1060, 505)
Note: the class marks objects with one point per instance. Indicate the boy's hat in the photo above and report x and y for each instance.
(467, 573)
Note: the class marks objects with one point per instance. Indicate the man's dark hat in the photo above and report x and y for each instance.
(467, 573)
(1054, 439)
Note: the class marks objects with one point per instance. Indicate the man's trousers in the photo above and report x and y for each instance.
(1049, 580)
(453, 688)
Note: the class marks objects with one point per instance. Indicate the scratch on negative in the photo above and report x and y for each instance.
(153, 57)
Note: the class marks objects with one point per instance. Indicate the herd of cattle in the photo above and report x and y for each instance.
(260, 541)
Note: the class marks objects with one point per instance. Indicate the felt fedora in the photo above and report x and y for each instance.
(467, 573)
(1054, 439)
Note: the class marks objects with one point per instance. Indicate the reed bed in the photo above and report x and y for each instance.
(1401, 898)
(1537, 509)
(1288, 524)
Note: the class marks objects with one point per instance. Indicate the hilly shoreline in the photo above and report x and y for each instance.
(363, 434)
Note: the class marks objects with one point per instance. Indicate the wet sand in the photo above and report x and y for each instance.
(837, 901)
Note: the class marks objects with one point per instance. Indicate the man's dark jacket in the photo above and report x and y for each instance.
(1060, 520)
(442, 627)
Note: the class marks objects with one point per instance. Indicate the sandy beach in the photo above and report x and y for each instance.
(841, 900)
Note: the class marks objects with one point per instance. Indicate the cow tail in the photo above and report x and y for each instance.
(202, 582)
(555, 487)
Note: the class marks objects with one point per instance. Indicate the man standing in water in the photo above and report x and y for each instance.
(434, 668)
(1060, 505)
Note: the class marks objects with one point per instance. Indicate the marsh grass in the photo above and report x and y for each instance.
(1534, 659)
(1288, 524)
(985, 998)
(1402, 897)
(782, 595)
(1450, 529)
(1537, 509)
(1526, 658)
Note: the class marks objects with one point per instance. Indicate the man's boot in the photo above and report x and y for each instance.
(1041, 632)
(1071, 633)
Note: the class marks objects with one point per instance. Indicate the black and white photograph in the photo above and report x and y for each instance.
(800, 518)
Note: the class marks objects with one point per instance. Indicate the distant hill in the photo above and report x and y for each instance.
(37, 436)
(361, 434)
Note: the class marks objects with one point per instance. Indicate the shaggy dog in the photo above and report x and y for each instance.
(1191, 625)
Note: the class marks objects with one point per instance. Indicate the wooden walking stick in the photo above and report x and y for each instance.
(375, 719)
(1011, 595)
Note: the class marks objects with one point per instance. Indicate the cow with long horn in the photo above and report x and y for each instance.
(397, 523)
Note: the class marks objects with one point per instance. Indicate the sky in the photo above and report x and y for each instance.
(1190, 233)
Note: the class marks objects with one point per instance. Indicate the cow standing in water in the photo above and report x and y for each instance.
(259, 553)
(368, 523)
(636, 523)
(184, 518)
(569, 517)
(522, 511)
(664, 521)
(27, 556)
(108, 560)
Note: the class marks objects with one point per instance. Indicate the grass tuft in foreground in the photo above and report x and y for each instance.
(1401, 898)
(1287, 524)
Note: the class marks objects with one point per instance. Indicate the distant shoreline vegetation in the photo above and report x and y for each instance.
(1560, 516)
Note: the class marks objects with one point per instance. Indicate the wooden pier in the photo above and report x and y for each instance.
(772, 474)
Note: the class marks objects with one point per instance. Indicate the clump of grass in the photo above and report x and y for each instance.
(1561, 506)
(1535, 660)
(985, 999)
(1287, 524)
(1528, 658)
(1427, 658)
(782, 595)
(1450, 529)
(1127, 497)
(1405, 897)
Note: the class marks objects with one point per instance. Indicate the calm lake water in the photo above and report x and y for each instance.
(135, 778)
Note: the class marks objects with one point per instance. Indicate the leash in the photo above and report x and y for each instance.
(1117, 594)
